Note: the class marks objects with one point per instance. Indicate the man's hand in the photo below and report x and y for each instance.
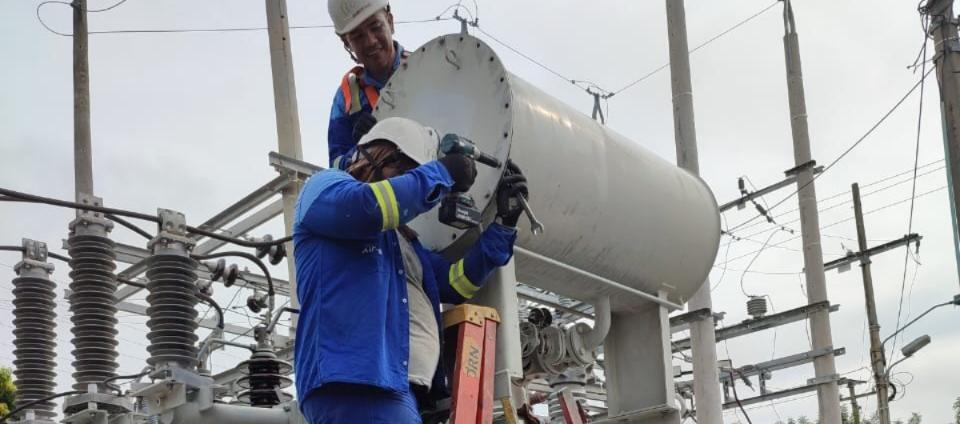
(462, 169)
(512, 185)
(363, 122)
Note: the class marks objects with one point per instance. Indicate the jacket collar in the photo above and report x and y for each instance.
(398, 57)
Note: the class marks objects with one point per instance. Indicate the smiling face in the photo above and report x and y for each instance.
(372, 43)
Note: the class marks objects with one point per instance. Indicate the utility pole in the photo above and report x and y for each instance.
(288, 124)
(706, 386)
(943, 26)
(852, 387)
(82, 156)
(828, 392)
(878, 358)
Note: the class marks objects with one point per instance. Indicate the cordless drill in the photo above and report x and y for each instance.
(458, 209)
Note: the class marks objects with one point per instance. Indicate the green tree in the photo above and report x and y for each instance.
(915, 418)
(7, 390)
(956, 410)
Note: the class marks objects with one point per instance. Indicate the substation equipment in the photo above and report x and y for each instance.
(627, 232)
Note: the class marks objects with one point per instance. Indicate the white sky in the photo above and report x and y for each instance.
(184, 121)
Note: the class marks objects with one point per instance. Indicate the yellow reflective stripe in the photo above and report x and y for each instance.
(460, 282)
(387, 202)
(394, 208)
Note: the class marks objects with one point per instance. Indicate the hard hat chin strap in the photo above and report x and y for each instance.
(378, 165)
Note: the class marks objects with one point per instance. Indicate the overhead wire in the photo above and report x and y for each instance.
(845, 152)
(847, 201)
(833, 224)
(846, 193)
(137, 215)
(916, 162)
(195, 30)
(698, 47)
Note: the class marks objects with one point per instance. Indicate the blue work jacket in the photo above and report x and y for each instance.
(354, 316)
(340, 140)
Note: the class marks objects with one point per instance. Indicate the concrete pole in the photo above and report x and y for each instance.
(288, 123)
(878, 359)
(944, 29)
(706, 386)
(828, 392)
(82, 156)
(853, 402)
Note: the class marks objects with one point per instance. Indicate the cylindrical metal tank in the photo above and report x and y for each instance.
(610, 206)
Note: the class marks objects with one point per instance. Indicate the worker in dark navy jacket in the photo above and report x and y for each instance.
(366, 29)
(368, 340)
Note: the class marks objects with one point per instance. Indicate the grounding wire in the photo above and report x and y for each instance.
(845, 152)
(916, 163)
(130, 214)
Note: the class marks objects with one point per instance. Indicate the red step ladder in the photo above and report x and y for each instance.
(474, 328)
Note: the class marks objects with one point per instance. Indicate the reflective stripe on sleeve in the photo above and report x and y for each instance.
(387, 201)
(460, 282)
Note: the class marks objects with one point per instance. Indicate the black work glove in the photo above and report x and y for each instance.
(362, 123)
(462, 169)
(511, 187)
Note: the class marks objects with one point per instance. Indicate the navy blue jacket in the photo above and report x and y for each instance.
(354, 320)
(340, 140)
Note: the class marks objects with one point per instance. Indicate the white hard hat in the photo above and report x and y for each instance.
(348, 14)
(416, 141)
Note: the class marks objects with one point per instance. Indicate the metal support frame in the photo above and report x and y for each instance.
(783, 393)
(790, 180)
(866, 254)
(767, 322)
(232, 212)
(640, 391)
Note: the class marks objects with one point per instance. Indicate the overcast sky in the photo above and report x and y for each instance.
(185, 121)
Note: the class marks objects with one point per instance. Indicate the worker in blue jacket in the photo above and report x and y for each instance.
(366, 29)
(368, 339)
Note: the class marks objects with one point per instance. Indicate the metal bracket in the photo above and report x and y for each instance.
(88, 416)
(90, 222)
(824, 379)
(294, 168)
(163, 395)
(172, 232)
(34, 256)
(800, 168)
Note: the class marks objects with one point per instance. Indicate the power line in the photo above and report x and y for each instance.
(849, 200)
(887, 206)
(195, 30)
(702, 45)
(916, 162)
(831, 207)
(845, 152)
